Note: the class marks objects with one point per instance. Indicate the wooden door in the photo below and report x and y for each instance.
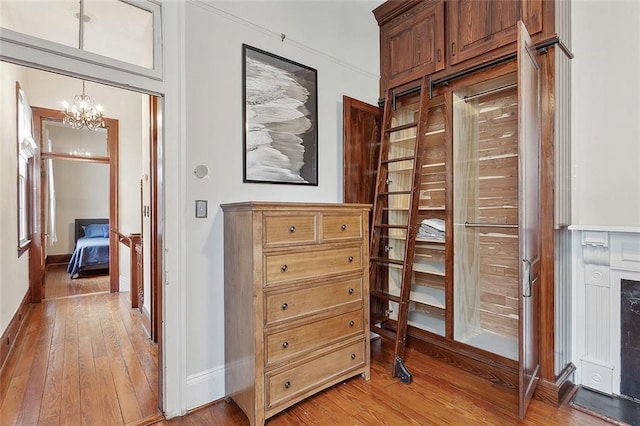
(361, 145)
(479, 26)
(529, 220)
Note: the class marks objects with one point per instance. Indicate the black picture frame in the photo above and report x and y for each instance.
(280, 117)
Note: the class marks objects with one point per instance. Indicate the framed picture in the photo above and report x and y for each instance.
(280, 119)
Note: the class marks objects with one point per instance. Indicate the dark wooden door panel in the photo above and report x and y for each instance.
(412, 44)
(479, 26)
(361, 145)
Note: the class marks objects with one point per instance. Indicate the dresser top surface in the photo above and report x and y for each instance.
(289, 206)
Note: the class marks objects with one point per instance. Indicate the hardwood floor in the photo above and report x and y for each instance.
(58, 283)
(81, 360)
(85, 360)
(439, 394)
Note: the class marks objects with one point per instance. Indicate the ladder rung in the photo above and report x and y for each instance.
(398, 159)
(384, 332)
(401, 127)
(386, 226)
(380, 194)
(385, 296)
(387, 261)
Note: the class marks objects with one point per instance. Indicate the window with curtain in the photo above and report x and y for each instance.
(26, 151)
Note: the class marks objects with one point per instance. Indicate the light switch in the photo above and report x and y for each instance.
(201, 208)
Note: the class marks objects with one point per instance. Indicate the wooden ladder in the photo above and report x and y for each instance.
(395, 213)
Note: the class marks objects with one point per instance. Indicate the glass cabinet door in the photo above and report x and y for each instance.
(485, 216)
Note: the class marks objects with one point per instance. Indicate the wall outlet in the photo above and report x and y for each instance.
(201, 208)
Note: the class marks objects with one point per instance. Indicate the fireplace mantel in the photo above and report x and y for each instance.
(604, 255)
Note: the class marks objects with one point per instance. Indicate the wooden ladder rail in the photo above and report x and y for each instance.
(379, 264)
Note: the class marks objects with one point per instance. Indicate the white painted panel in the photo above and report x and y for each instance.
(606, 112)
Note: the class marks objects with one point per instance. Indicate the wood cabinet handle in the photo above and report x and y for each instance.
(292, 229)
(351, 323)
(439, 55)
(284, 306)
(284, 268)
(285, 345)
(350, 259)
(353, 356)
(453, 48)
(344, 226)
(287, 384)
(350, 291)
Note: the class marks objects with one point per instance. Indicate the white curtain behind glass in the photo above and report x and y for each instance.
(52, 235)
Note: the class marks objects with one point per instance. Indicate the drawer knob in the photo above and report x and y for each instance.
(353, 356)
(344, 226)
(284, 268)
(285, 345)
(350, 291)
(350, 259)
(351, 323)
(292, 229)
(284, 306)
(287, 384)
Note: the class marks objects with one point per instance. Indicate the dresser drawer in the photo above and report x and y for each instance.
(289, 343)
(284, 229)
(285, 385)
(336, 227)
(290, 304)
(285, 267)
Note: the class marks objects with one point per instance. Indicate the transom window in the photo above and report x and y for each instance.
(125, 34)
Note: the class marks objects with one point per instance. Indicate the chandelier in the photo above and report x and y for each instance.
(83, 112)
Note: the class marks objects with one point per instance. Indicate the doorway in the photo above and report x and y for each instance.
(79, 171)
(124, 184)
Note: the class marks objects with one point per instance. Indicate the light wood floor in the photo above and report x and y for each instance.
(85, 360)
(81, 360)
(439, 394)
(58, 283)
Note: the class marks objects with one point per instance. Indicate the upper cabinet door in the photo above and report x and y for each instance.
(529, 211)
(411, 44)
(479, 26)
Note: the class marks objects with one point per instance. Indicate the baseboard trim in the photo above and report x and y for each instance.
(124, 284)
(146, 320)
(204, 387)
(554, 393)
(14, 328)
(55, 259)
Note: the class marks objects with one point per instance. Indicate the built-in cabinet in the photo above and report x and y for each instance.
(438, 37)
(296, 301)
(482, 291)
(411, 41)
(476, 27)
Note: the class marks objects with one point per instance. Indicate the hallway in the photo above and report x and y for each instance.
(81, 360)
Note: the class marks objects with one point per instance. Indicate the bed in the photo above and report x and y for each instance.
(91, 252)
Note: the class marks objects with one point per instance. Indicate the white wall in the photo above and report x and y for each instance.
(340, 40)
(14, 271)
(606, 113)
(82, 191)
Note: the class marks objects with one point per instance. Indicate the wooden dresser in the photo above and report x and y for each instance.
(296, 301)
